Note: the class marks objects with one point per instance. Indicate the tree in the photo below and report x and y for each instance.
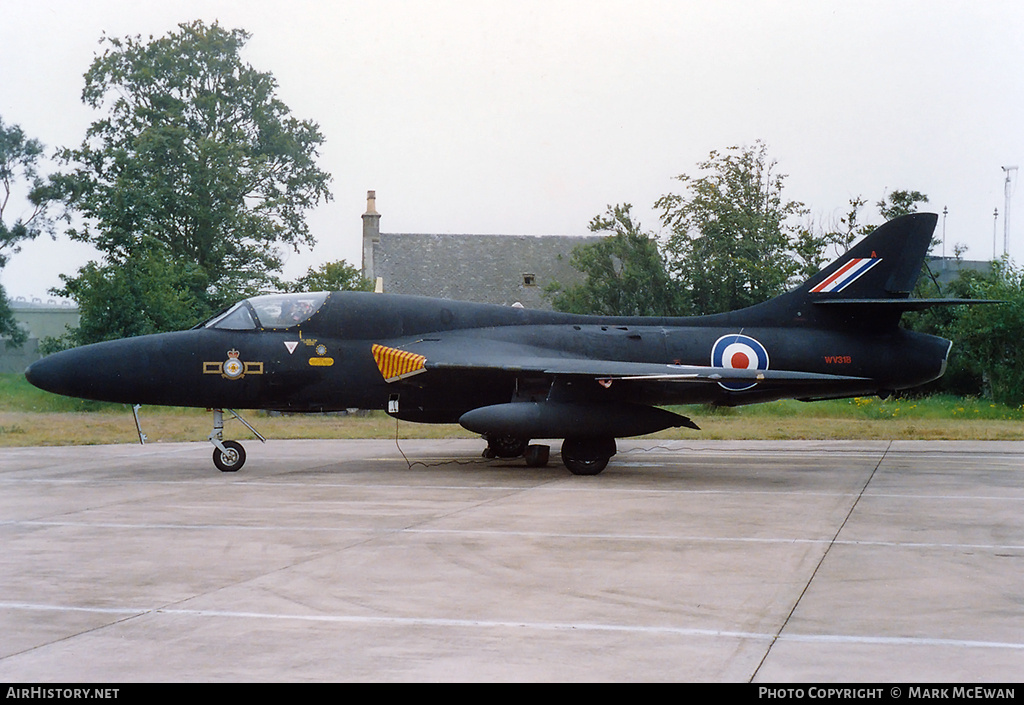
(731, 243)
(19, 165)
(145, 294)
(19, 162)
(625, 274)
(900, 202)
(851, 227)
(841, 234)
(985, 358)
(331, 276)
(987, 338)
(196, 165)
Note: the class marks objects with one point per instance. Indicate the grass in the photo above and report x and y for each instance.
(924, 418)
(31, 417)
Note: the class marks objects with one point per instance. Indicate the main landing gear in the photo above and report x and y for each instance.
(581, 456)
(536, 456)
(587, 456)
(228, 456)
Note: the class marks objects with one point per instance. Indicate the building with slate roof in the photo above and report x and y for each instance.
(498, 269)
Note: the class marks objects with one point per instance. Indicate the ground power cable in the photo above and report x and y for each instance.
(412, 463)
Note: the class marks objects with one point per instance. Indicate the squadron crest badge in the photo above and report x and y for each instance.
(233, 367)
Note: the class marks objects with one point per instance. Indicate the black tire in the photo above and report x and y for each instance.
(587, 456)
(585, 467)
(537, 456)
(232, 460)
(505, 446)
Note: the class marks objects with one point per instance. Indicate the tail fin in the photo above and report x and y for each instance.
(884, 265)
(868, 288)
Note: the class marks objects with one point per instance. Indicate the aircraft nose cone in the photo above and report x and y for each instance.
(102, 371)
(150, 369)
(72, 373)
(50, 374)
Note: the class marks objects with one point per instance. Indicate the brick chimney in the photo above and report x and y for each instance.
(371, 233)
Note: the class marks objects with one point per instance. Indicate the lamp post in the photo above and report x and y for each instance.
(1010, 172)
(995, 218)
(945, 212)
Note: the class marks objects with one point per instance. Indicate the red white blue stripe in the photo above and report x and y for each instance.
(846, 275)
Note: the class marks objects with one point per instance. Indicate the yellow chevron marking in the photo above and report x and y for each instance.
(397, 364)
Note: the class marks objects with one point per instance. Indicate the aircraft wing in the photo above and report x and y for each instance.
(414, 358)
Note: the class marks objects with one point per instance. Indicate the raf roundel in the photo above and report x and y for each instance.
(739, 352)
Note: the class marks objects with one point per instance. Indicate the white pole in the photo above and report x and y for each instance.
(945, 211)
(995, 219)
(1010, 171)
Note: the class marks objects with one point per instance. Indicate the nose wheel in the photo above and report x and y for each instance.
(231, 458)
(228, 456)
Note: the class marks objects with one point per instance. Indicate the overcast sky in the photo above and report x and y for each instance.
(529, 117)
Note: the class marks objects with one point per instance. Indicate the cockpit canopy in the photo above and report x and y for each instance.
(271, 311)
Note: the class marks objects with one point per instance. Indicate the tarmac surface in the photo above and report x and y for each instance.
(810, 562)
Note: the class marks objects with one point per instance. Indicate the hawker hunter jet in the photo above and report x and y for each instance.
(513, 374)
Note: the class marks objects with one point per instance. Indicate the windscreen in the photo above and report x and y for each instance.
(286, 310)
(238, 317)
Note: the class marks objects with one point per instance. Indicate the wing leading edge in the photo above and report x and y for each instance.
(396, 364)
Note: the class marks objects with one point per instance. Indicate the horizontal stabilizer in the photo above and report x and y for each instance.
(904, 304)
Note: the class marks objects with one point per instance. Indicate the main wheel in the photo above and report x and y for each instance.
(585, 467)
(231, 459)
(587, 456)
(505, 446)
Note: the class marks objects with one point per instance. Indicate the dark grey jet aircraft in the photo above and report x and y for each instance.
(512, 374)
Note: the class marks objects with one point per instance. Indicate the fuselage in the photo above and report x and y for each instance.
(513, 374)
(324, 362)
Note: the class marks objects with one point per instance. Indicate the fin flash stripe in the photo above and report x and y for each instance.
(397, 364)
(846, 275)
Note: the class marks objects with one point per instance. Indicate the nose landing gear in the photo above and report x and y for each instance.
(228, 456)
